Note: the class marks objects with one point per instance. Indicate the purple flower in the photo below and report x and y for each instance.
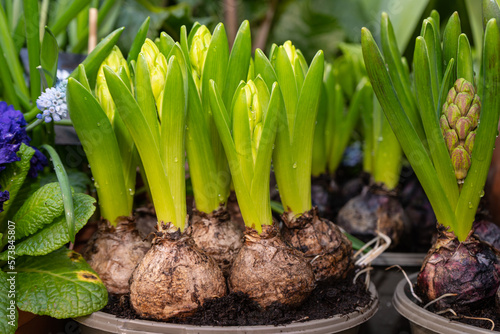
(4, 196)
(12, 135)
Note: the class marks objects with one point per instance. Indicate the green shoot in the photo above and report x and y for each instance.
(209, 59)
(248, 132)
(162, 157)
(300, 88)
(433, 166)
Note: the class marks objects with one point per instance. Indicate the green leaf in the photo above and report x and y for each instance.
(173, 124)
(147, 146)
(67, 196)
(12, 179)
(165, 44)
(303, 132)
(474, 13)
(242, 135)
(55, 235)
(69, 14)
(430, 117)
(432, 49)
(106, 16)
(215, 68)
(39, 210)
(387, 154)
(288, 86)
(319, 152)
(450, 40)
(99, 142)
(200, 155)
(144, 95)
(139, 39)
(404, 131)
(97, 56)
(60, 284)
(8, 49)
(491, 10)
(239, 61)
(486, 132)
(465, 67)
(397, 72)
(31, 15)
(6, 80)
(223, 122)
(260, 183)
(8, 309)
(78, 180)
(263, 67)
(49, 55)
(346, 123)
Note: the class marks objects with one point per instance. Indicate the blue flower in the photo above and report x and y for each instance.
(353, 155)
(52, 103)
(12, 135)
(4, 196)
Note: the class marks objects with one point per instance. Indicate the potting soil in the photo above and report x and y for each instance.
(236, 309)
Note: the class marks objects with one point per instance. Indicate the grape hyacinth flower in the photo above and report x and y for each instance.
(12, 135)
(52, 103)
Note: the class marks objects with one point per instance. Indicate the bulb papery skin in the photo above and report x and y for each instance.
(488, 232)
(323, 244)
(374, 210)
(174, 278)
(458, 122)
(469, 269)
(113, 252)
(217, 235)
(270, 271)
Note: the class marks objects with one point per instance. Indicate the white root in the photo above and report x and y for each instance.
(408, 280)
(466, 317)
(379, 248)
(446, 295)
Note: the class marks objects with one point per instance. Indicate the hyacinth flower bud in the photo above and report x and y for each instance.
(117, 63)
(460, 159)
(469, 142)
(158, 76)
(443, 124)
(198, 52)
(458, 123)
(157, 67)
(254, 115)
(150, 51)
(290, 51)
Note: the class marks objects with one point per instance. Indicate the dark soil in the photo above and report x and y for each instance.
(485, 309)
(236, 309)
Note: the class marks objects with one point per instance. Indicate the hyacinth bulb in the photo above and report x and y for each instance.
(459, 122)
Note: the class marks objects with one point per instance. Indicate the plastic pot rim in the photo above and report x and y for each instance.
(336, 324)
(426, 319)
